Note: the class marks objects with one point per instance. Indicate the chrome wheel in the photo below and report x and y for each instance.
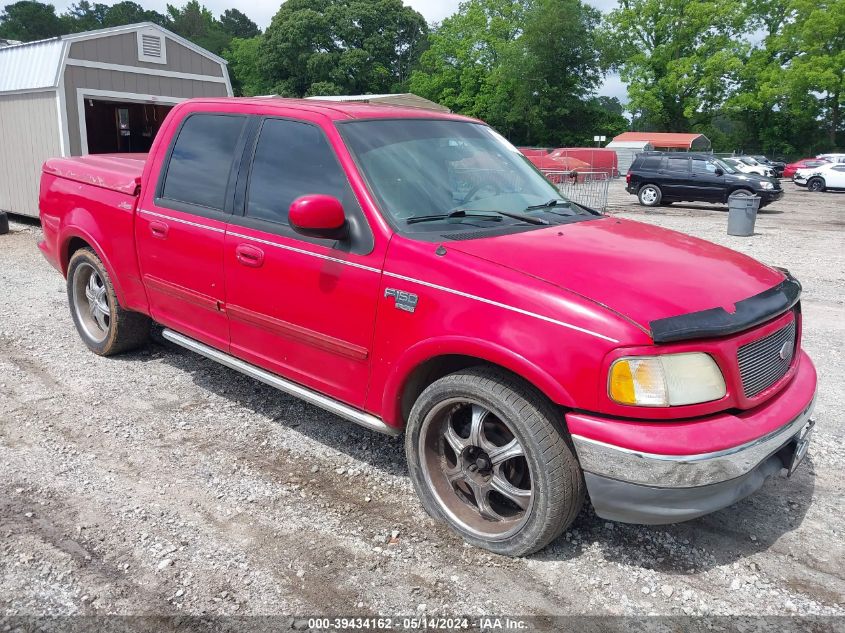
(476, 468)
(91, 302)
(648, 196)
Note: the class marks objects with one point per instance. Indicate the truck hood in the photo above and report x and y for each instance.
(640, 271)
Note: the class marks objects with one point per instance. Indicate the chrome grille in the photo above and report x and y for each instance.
(765, 361)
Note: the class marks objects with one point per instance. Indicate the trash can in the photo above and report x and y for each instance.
(742, 213)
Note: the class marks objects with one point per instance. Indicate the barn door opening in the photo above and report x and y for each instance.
(122, 126)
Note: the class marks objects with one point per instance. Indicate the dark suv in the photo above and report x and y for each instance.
(661, 178)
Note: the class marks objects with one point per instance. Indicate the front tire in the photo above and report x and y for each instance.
(743, 193)
(488, 454)
(104, 326)
(816, 184)
(650, 195)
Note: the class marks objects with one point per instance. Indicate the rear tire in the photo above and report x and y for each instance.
(816, 184)
(104, 326)
(4, 223)
(649, 195)
(484, 434)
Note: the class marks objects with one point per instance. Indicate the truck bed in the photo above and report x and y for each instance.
(118, 172)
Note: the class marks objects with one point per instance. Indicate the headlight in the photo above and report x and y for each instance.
(766, 185)
(666, 381)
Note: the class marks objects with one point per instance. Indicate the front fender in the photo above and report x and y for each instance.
(429, 349)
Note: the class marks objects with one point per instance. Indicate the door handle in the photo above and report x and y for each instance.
(249, 255)
(159, 229)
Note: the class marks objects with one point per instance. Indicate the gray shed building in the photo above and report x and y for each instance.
(98, 92)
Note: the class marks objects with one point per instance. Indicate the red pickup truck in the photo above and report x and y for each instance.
(411, 271)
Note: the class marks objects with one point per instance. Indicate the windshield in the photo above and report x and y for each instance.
(442, 175)
(748, 161)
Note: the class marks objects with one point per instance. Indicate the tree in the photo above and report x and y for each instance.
(242, 55)
(675, 56)
(814, 39)
(196, 23)
(128, 12)
(341, 46)
(529, 68)
(237, 24)
(84, 16)
(28, 20)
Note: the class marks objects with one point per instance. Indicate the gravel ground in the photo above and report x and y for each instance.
(158, 482)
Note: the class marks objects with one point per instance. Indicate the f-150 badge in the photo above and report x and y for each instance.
(406, 301)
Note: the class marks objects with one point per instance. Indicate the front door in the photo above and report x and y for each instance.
(708, 186)
(303, 308)
(181, 227)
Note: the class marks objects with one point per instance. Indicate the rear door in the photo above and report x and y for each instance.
(675, 178)
(181, 226)
(300, 307)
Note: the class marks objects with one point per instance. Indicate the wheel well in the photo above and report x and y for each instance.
(434, 369)
(73, 245)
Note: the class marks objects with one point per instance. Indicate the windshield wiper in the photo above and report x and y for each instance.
(547, 205)
(457, 213)
(516, 216)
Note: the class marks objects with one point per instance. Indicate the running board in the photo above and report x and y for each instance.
(303, 393)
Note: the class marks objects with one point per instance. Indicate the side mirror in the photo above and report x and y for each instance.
(318, 215)
(719, 171)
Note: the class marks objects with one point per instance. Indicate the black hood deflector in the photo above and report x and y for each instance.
(719, 322)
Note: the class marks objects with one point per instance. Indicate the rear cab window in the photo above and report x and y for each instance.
(199, 172)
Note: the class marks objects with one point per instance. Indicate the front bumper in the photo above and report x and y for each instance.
(769, 195)
(633, 485)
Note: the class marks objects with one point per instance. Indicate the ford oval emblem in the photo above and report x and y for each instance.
(786, 350)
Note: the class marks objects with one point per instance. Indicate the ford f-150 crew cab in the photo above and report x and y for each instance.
(411, 271)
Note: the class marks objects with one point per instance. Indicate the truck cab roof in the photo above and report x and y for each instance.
(336, 110)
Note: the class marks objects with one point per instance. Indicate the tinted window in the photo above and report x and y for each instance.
(651, 162)
(198, 172)
(292, 159)
(678, 163)
(701, 166)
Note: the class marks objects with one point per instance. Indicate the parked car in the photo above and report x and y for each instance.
(822, 177)
(777, 166)
(833, 158)
(531, 350)
(742, 167)
(659, 178)
(755, 167)
(804, 163)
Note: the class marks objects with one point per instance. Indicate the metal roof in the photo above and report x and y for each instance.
(32, 66)
(628, 144)
(38, 65)
(663, 139)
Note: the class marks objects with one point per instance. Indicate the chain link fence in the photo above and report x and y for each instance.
(588, 188)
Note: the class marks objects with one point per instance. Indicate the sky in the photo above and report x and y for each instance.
(262, 11)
